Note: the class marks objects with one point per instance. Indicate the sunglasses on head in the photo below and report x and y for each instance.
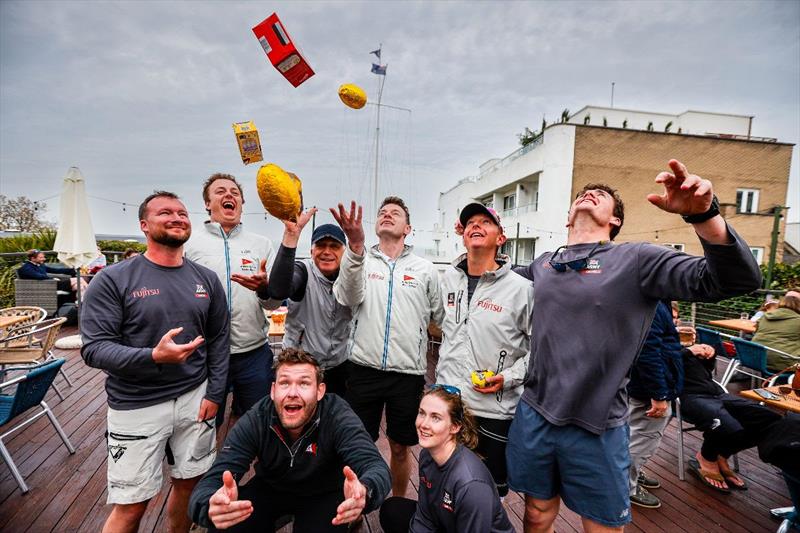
(575, 264)
(449, 389)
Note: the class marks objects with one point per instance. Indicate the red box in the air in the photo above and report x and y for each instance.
(281, 51)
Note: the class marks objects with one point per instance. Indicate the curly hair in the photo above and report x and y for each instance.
(220, 176)
(295, 356)
(459, 415)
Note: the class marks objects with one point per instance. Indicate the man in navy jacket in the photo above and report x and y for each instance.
(656, 379)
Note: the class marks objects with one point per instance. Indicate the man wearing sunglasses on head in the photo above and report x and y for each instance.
(486, 326)
(595, 302)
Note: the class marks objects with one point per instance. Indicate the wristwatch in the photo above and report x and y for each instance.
(697, 218)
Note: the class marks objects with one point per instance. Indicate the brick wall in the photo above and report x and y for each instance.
(630, 160)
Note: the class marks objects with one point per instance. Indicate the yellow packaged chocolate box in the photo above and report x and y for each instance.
(249, 144)
(281, 192)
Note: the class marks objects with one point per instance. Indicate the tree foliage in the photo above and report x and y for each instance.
(22, 214)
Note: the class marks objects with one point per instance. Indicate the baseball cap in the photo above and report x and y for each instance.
(331, 231)
(478, 209)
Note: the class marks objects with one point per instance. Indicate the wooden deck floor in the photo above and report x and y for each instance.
(68, 491)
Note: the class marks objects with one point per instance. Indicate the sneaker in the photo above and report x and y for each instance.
(642, 498)
(647, 482)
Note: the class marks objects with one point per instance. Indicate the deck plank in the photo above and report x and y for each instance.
(68, 492)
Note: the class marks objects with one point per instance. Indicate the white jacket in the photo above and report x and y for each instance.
(491, 332)
(393, 302)
(240, 252)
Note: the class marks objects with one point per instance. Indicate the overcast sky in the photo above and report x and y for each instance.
(142, 95)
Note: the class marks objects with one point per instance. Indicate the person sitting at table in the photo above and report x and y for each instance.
(729, 423)
(35, 268)
(770, 304)
(457, 494)
(780, 329)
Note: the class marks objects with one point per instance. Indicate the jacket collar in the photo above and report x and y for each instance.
(407, 249)
(460, 263)
(315, 270)
(215, 228)
(312, 425)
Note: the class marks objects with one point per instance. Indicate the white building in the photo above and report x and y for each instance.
(532, 188)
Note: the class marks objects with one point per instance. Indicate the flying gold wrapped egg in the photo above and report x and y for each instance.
(353, 96)
(281, 192)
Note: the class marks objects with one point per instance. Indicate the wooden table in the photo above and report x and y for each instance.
(788, 402)
(746, 326)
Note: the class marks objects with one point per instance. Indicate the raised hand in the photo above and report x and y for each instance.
(224, 509)
(256, 282)
(292, 229)
(351, 225)
(166, 351)
(355, 498)
(684, 193)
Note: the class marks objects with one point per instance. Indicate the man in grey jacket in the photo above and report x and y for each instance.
(316, 322)
(395, 294)
(486, 326)
(240, 259)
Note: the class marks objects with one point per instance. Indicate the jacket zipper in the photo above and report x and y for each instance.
(227, 269)
(388, 315)
(297, 446)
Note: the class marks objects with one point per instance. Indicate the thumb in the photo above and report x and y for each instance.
(657, 200)
(230, 484)
(169, 335)
(262, 267)
(349, 474)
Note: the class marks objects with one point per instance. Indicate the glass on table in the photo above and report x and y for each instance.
(687, 333)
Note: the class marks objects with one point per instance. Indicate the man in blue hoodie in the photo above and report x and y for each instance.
(656, 379)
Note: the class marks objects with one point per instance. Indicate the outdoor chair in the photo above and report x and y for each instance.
(33, 347)
(38, 293)
(753, 357)
(32, 315)
(30, 392)
(676, 412)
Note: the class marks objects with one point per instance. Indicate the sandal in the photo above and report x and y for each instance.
(733, 480)
(704, 476)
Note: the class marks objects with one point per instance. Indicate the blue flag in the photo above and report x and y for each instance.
(379, 69)
(377, 53)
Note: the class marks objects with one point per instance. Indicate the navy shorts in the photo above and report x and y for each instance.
(250, 377)
(589, 472)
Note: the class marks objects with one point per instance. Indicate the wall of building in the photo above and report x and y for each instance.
(630, 160)
(689, 122)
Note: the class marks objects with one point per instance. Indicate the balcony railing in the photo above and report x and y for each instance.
(513, 155)
(519, 210)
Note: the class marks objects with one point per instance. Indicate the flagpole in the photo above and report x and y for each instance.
(377, 137)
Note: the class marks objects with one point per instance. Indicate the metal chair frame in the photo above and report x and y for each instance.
(679, 417)
(32, 347)
(29, 394)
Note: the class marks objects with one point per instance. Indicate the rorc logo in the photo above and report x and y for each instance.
(200, 292)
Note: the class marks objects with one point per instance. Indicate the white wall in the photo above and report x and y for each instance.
(690, 122)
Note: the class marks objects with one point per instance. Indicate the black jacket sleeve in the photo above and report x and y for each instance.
(288, 277)
(355, 447)
(241, 448)
(217, 339)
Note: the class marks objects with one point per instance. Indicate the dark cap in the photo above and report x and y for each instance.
(478, 209)
(331, 231)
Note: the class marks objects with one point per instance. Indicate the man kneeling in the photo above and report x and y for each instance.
(308, 446)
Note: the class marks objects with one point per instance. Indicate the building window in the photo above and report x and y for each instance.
(488, 202)
(758, 253)
(675, 246)
(509, 202)
(746, 200)
(536, 200)
(508, 249)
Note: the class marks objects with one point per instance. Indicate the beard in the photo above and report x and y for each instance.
(170, 241)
